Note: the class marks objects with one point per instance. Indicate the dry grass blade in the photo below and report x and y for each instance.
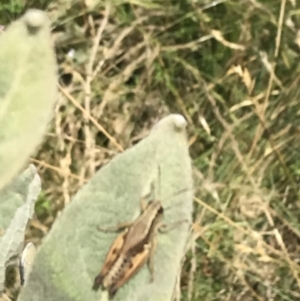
(92, 119)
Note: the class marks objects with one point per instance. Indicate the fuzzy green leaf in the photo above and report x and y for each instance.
(72, 254)
(27, 90)
(16, 208)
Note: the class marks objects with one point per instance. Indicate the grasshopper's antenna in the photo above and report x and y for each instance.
(179, 192)
(159, 182)
(152, 191)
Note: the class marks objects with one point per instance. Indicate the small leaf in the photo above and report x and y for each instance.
(73, 252)
(27, 90)
(26, 261)
(23, 191)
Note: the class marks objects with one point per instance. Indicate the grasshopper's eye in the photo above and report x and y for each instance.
(161, 210)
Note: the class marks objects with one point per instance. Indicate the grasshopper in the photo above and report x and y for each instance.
(132, 248)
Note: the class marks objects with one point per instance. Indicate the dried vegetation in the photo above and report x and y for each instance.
(232, 69)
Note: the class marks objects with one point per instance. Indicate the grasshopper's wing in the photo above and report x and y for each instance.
(134, 265)
(110, 259)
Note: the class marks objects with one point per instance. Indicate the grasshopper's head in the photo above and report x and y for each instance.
(156, 206)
